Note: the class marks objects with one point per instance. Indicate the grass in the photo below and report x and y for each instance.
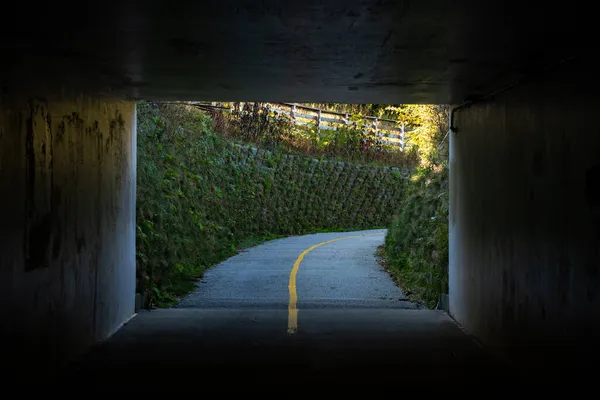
(255, 241)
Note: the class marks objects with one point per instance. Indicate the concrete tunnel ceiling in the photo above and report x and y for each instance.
(369, 51)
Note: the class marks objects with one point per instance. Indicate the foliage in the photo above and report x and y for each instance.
(256, 123)
(375, 110)
(417, 241)
(416, 246)
(429, 123)
(201, 196)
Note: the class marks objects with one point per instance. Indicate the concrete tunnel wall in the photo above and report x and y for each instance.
(67, 249)
(525, 213)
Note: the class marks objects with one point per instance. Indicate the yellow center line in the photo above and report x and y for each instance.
(293, 305)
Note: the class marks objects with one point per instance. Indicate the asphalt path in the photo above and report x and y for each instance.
(342, 273)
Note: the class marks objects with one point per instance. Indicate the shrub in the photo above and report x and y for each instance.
(256, 123)
(416, 245)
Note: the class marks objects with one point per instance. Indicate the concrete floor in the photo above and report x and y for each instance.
(354, 327)
(221, 349)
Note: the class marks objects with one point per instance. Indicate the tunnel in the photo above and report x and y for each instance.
(524, 149)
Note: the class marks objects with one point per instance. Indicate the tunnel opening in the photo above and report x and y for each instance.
(215, 178)
(316, 297)
(523, 207)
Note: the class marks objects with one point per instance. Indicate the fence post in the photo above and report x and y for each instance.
(319, 120)
(346, 119)
(375, 123)
(293, 114)
(402, 138)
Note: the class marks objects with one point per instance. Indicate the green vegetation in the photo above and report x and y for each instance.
(428, 137)
(201, 197)
(255, 123)
(416, 246)
(375, 110)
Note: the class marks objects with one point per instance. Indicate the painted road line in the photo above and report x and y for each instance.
(293, 304)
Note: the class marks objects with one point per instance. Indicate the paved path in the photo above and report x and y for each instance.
(300, 312)
(339, 274)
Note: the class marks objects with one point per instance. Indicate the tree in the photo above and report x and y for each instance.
(428, 124)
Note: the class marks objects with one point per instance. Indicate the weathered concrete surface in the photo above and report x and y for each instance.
(341, 274)
(525, 218)
(370, 51)
(67, 236)
(248, 350)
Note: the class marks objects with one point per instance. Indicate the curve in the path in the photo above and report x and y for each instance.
(336, 274)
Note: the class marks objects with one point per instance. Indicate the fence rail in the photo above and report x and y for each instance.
(382, 130)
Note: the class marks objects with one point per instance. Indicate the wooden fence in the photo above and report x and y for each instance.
(383, 131)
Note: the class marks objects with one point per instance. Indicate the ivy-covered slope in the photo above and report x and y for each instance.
(200, 197)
